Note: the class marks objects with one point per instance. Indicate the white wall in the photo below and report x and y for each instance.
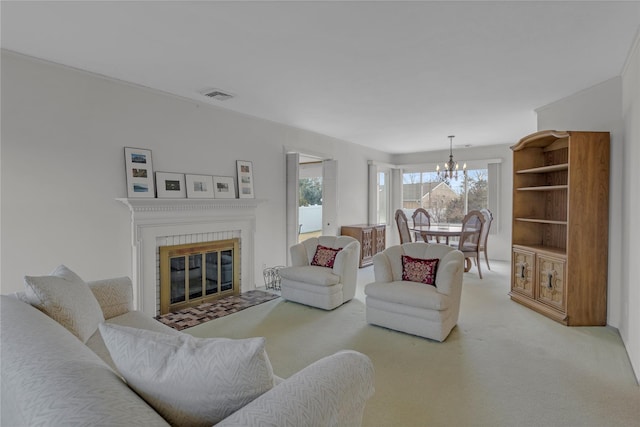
(62, 166)
(630, 290)
(499, 246)
(613, 106)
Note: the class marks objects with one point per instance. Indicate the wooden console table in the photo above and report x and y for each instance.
(372, 238)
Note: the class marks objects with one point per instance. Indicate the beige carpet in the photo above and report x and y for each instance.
(503, 365)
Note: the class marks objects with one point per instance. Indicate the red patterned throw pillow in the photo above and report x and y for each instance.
(324, 256)
(419, 270)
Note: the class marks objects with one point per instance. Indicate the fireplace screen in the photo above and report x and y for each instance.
(194, 273)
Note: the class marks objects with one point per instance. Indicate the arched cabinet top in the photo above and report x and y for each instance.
(542, 138)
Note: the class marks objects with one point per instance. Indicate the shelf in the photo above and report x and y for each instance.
(544, 188)
(545, 169)
(542, 221)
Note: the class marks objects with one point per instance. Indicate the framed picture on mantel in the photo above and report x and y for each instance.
(139, 169)
(170, 185)
(223, 187)
(199, 186)
(245, 179)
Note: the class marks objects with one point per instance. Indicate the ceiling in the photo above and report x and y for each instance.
(395, 76)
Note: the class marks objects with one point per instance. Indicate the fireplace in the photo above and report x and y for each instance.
(171, 222)
(195, 273)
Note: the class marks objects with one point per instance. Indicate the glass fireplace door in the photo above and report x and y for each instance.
(195, 273)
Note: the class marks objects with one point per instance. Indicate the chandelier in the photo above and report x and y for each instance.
(450, 170)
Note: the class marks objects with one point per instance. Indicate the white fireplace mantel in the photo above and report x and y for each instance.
(149, 204)
(152, 219)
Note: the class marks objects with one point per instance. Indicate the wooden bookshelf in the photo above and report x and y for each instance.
(560, 225)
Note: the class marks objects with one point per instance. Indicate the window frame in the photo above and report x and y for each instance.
(493, 167)
(375, 169)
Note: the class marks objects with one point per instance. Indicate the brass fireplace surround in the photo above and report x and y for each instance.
(195, 273)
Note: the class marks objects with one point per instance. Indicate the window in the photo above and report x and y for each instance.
(379, 193)
(382, 191)
(447, 201)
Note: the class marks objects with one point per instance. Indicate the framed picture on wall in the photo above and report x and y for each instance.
(170, 185)
(245, 179)
(199, 186)
(223, 187)
(139, 170)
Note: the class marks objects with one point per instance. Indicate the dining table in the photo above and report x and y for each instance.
(437, 231)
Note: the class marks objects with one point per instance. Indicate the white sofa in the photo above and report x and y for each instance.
(416, 308)
(317, 286)
(49, 377)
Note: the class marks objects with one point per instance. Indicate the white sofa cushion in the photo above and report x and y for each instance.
(67, 299)
(190, 381)
(134, 319)
(115, 295)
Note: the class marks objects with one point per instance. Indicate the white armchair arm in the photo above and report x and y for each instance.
(449, 274)
(330, 392)
(382, 268)
(299, 255)
(445, 277)
(345, 259)
(346, 266)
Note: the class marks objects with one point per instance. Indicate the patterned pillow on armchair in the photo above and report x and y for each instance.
(419, 270)
(324, 256)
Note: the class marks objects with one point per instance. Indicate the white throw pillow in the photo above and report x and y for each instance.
(67, 299)
(190, 381)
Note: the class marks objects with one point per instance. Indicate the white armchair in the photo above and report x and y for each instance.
(317, 286)
(416, 308)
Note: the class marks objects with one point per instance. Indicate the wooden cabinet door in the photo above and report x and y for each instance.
(372, 240)
(550, 282)
(522, 271)
(367, 244)
(381, 232)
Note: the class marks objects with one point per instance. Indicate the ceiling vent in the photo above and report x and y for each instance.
(217, 94)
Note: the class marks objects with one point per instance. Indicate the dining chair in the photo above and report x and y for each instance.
(488, 219)
(420, 218)
(469, 243)
(403, 227)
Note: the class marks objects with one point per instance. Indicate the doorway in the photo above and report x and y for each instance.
(311, 197)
